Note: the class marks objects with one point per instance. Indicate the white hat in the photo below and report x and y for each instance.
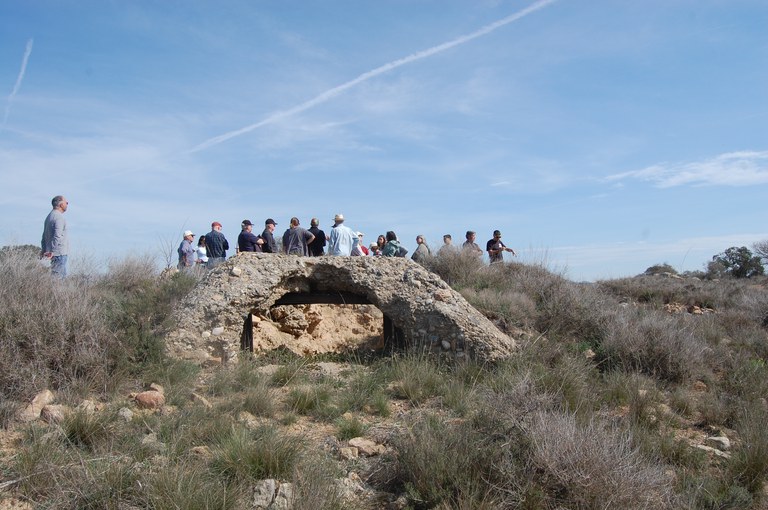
(338, 218)
(359, 234)
(188, 233)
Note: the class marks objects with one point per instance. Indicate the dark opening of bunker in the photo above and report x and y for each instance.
(314, 322)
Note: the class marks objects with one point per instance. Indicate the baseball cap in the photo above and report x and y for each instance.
(270, 221)
(188, 233)
(247, 222)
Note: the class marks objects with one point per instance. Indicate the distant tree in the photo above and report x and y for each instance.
(736, 262)
(761, 249)
(27, 251)
(660, 269)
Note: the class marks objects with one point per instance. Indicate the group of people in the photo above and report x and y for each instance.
(495, 247)
(212, 247)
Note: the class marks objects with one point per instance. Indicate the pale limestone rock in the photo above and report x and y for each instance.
(89, 406)
(125, 413)
(263, 494)
(284, 498)
(719, 442)
(348, 453)
(195, 397)
(32, 411)
(366, 446)
(156, 387)
(54, 413)
(713, 451)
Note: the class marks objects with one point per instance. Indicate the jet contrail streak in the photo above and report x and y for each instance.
(329, 94)
(17, 86)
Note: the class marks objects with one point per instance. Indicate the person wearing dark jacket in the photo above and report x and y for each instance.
(216, 244)
(316, 249)
(247, 241)
(269, 245)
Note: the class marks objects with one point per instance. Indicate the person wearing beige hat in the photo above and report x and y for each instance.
(342, 239)
(187, 251)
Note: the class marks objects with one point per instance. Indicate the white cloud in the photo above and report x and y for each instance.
(744, 168)
(335, 91)
(19, 79)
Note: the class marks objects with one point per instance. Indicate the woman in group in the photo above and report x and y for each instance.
(392, 247)
(422, 252)
(380, 242)
(202, 253)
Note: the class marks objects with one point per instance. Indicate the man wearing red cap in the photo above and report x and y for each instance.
(216, 244)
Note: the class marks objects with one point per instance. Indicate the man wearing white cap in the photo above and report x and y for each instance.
(342, 239)
(187, 251)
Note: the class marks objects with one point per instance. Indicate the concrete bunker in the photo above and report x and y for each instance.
(418, 307)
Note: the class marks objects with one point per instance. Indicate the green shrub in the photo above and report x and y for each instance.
(652, 343)
(512, 307)
(291, 372)
(53, 331)
(416, 378)
(250, 456)
(315, 486)
(349, 427)
(190, 427)
(445, 464)
(594, 467)
(749, 463)
(188, 486)
(88, 429)
(309, 399)
(364, 390)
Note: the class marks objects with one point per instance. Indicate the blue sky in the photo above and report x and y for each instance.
(600, 137)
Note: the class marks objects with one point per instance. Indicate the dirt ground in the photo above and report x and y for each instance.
(317, 329)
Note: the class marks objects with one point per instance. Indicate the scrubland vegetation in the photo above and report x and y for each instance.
(614, 386)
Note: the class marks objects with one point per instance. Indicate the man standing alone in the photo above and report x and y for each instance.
(55, 242)
(216, 245)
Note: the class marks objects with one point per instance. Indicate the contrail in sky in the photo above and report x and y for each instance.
(329, 94)
(17, 86)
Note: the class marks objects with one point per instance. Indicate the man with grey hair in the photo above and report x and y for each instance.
(55, 242)
(316, 249)
(342, 239)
